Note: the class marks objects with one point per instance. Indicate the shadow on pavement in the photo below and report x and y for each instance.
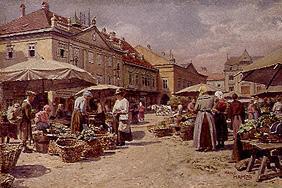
(143, 143)
(30, 171)
(138, 135)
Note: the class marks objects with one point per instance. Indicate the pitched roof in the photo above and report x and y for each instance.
(129, 54)
(215, 76)
(40, 19)
(151, 56)
(245, 57)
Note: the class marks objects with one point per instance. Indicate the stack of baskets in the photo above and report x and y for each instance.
(70, 149)
(6, 180)
(107, 141)
(9, 155)
(92, 148)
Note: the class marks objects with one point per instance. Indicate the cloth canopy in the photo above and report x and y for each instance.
(195, 89)
(99, 87)
(267, 70)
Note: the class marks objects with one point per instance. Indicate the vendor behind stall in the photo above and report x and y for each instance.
(60, 112)
(42, 119)
(14, 115)
(79, 115)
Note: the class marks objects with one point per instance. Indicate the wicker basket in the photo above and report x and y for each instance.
(53, 148)
(108, 142)
(92, 149)
(70, 149)
(6, 180)
(161, 132)
(9, 155)
(186, 132)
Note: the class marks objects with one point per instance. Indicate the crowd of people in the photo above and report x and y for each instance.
(24, 116)
(211, 130)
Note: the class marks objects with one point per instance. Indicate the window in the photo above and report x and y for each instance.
(179, 83)
(218, 85)
(75, 61)
(245, 89)
(99, 79)
(90, 57)
(189, 83)
(165, 84)
(10, 51)
(76, 56)
(99, 59)
(143, 81)
(231, 88)
(62, 53)
(130, 79)
(31, 50)
(109, 80)
(136, 79)
(231, 77)
(110, 61)
(153, 82)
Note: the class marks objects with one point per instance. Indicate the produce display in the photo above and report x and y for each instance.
(257, 128)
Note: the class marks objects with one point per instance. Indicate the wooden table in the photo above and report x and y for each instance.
(270, 153)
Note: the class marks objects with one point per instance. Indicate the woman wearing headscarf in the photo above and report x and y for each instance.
(121, 109)
(220, 119)
(204, 137)
(42, 118)
(79, 115)
(141, 112)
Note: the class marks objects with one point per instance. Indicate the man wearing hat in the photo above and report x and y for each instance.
(121, 109)
(25, 126)
(79, 115)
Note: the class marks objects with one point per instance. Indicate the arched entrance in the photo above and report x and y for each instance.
(164, 99)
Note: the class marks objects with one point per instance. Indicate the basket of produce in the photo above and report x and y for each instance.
(107, 141)
(53, 148)
(6, 180)
(9, 155)
(248, 130)
(186, 130)
(92, 148)
(70, 149)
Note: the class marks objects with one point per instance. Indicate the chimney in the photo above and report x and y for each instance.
(22, 7)
(104, 30)
(113, 34)
(45, 5)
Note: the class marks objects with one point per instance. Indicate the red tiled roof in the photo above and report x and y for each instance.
(128, 52)
(40, 19)
(216, 76)
(33, 21)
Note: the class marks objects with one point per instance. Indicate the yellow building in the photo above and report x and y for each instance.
(47, 35)
(173, 77)
(139, 76)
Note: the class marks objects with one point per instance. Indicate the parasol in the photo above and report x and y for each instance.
(49, 74)
(194, 90)
(98, 88)
(267, 70)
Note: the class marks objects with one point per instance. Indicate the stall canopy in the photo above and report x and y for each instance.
(98, 88)
(50, 74)
(267, 70)
(272, 91)
(194, 90)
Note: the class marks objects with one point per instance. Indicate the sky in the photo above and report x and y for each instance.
(201, 31)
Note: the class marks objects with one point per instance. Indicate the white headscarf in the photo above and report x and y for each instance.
(219, 94)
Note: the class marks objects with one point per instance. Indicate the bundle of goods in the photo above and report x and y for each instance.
(41, 141)
(87, 135)
(6, 180)
(92, 148)
(107, 141)
(9, 155)
(60, 129)
(264, 122)
(275, 133)
(163, 110)
(70, 149)
(186, 130)
(248, 130)
(162, 129)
